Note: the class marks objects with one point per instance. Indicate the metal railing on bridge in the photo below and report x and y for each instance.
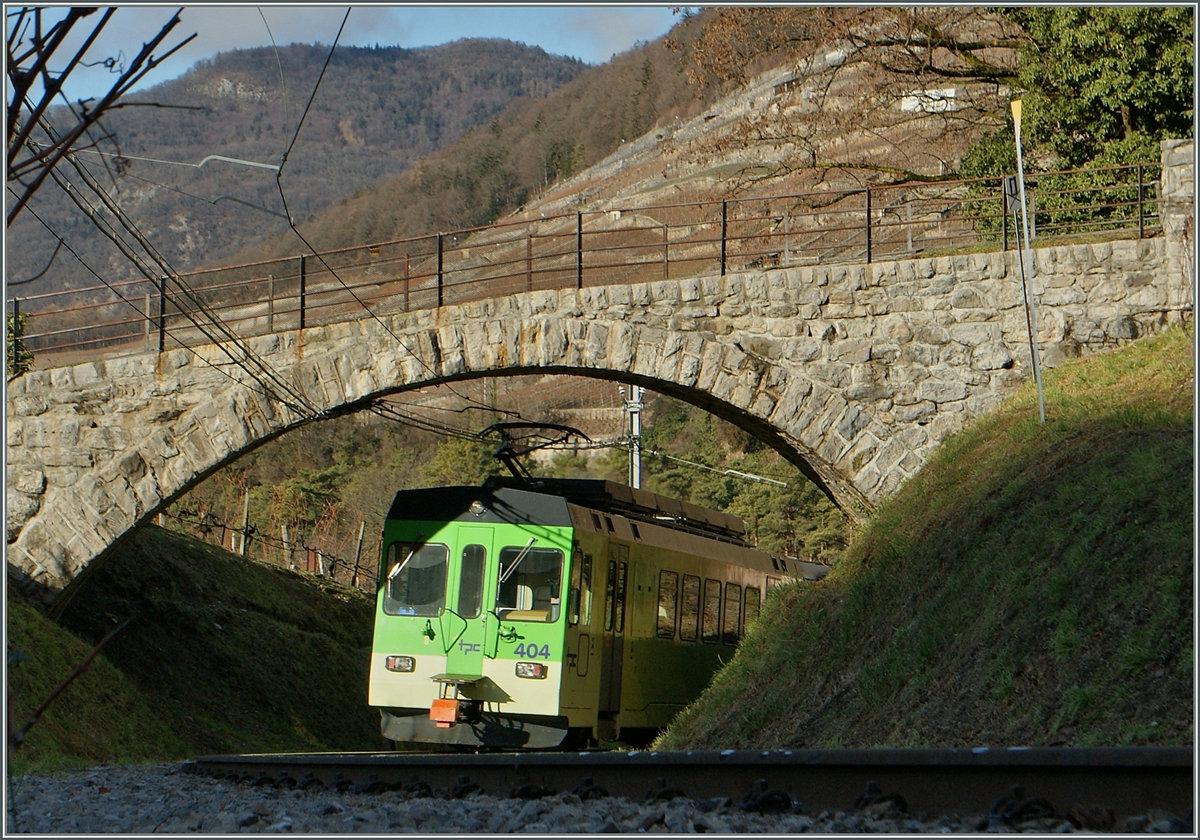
(576, 250)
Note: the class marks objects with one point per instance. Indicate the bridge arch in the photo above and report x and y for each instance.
(854, 373)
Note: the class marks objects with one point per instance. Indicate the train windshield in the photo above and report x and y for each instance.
(529, 583)
(416, 579)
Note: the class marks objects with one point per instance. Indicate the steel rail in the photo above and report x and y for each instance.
(1128, 780)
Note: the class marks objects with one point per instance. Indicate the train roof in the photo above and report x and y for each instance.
(612, 497)
(506, 499)
(502, 499)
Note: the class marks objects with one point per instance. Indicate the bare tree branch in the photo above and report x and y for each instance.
(29, 57)
(874, 91)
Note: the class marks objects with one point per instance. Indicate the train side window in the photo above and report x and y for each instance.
(689, 619)
(470, 581)
(712, 611)
(529, 585)
(416, 579)
(619, 608)
(733, 613)
(668, 603)
(574, 593)
(596, 522)
(585, 612)
(637, 535)
(753, 601)
(610, 587)
(608, 521)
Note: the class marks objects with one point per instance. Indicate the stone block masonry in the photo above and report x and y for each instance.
(854, 373)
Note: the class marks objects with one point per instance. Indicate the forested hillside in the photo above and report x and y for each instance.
(529, 147)
(377, 112)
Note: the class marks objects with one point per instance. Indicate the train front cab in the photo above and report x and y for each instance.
(469, 633)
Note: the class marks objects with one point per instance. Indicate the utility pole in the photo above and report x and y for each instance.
(633, 408)
(1027, 261)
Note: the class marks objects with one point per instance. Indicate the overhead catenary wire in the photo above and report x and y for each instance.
(211, 201)
(279, 63)
(390, 412)
(728, 472)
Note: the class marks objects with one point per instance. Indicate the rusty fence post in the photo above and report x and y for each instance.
(578, 250)
(1004, 217)
(724, 232)
(303, 280)
(868, 225)
(529, 261)
(1141, 205)
(666, 254)
(162, 313)
(406, 281)
(440, 266)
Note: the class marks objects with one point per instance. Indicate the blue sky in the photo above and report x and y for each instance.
(593, 33)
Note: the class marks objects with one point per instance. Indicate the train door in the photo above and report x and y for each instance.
(613, 649)
(464, 621)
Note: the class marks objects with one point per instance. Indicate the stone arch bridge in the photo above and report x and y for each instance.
(855, 373)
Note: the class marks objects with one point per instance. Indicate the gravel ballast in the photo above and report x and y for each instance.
(167, 799)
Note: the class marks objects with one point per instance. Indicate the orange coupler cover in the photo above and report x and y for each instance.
(444, 712)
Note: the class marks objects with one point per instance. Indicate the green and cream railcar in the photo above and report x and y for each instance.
(510, 616)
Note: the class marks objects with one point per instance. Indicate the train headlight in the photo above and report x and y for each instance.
(531, 670)
(403, 664)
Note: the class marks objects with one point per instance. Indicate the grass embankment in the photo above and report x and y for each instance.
(1031, 586)
(225, 655)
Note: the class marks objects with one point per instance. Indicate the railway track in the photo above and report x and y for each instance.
(1126, 780)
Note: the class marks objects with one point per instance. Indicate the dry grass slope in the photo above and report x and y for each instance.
(1032, 586)
(225, 655)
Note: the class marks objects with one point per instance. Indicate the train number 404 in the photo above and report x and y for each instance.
(533, 651)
